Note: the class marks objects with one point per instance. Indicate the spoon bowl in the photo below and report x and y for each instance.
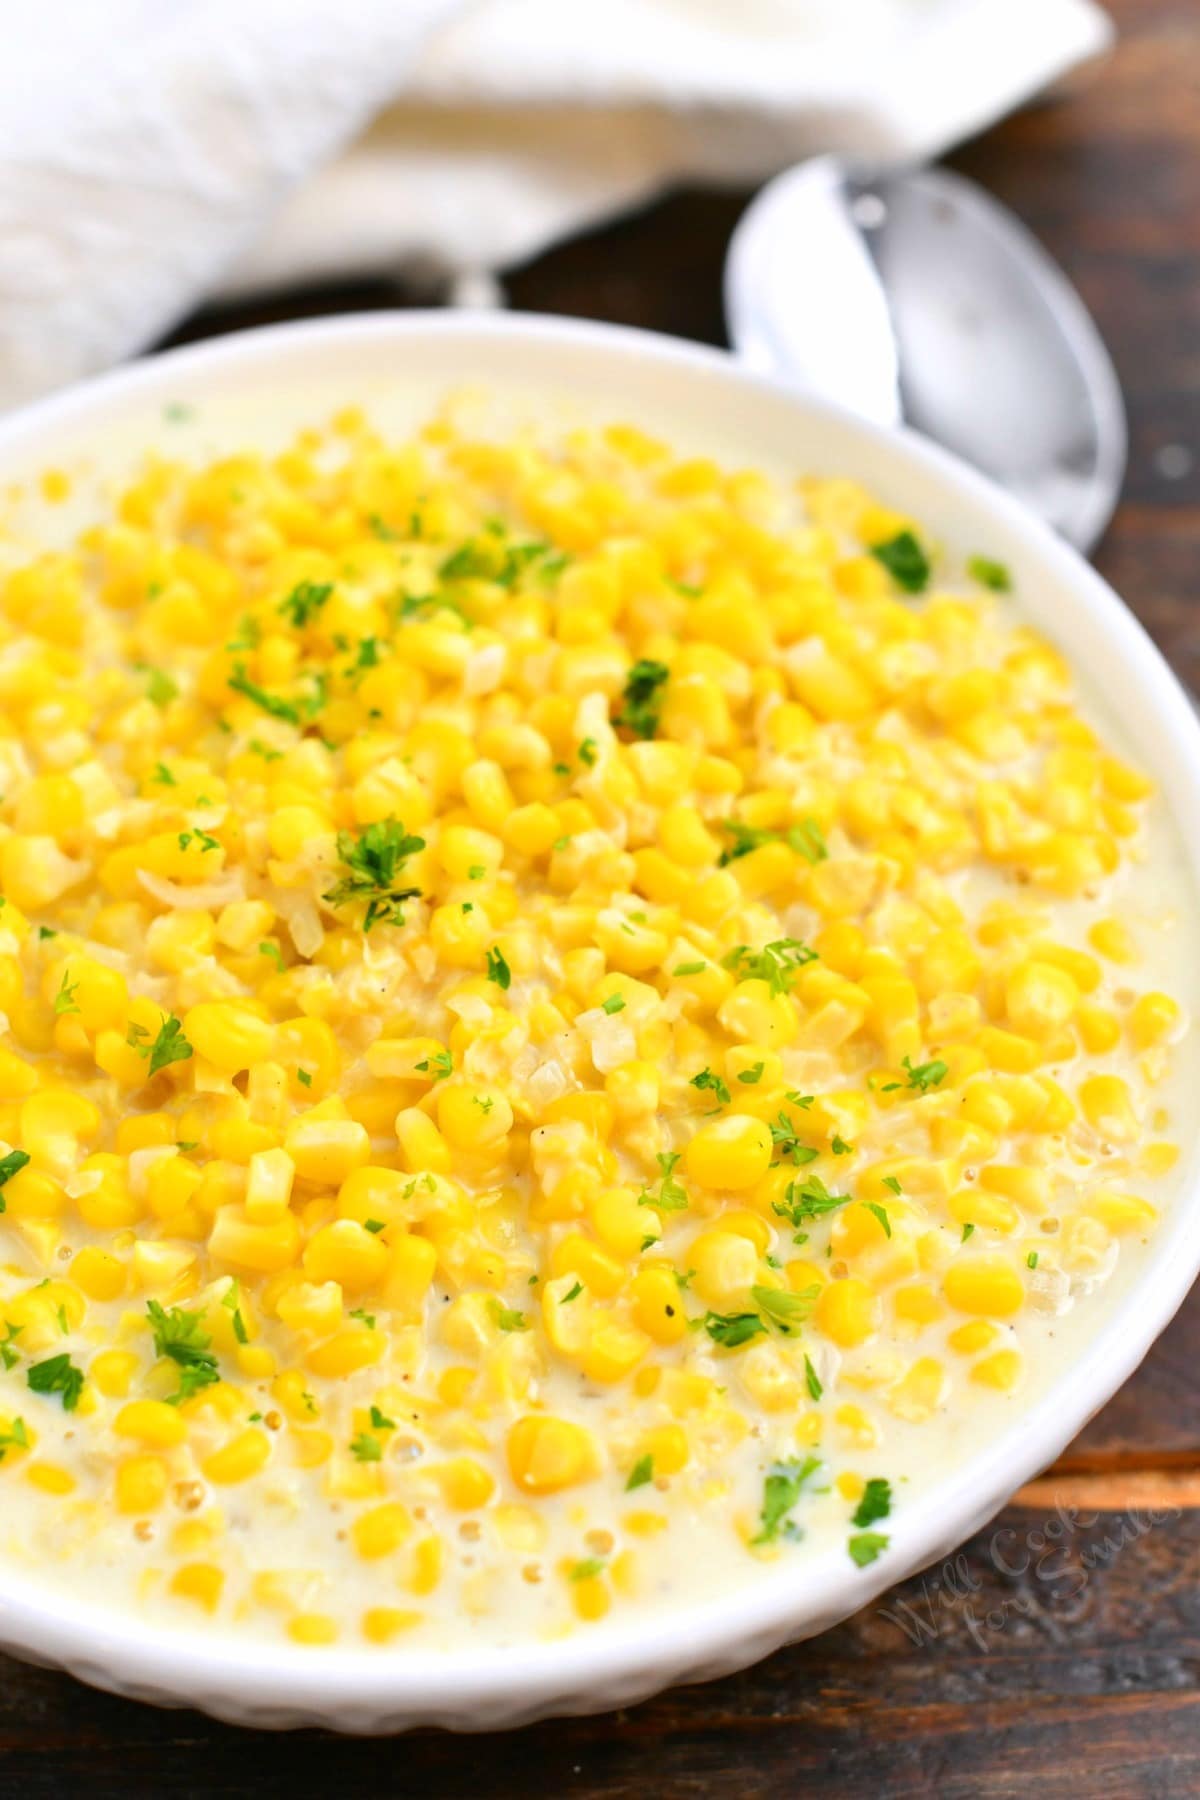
(915, 296)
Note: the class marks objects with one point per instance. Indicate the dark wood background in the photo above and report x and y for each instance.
(1071, 1659)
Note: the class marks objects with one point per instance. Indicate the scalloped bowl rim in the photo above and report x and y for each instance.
(250, 1681)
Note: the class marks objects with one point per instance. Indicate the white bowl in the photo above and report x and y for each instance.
(261, 385)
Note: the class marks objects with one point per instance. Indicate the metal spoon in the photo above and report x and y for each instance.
(914, 295)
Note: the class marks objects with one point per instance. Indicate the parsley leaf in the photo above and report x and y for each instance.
(507, 1318)
(671, 1196)
(305, 601)
(989, 574)
(732, 1330)
(880, 1213)
(865, 1546)
(812, 1380)
(11, 1165)
(498, 970)
(17, 1437)
(905, 561)
(783, 1307)
(643, 698)
(706, 1080)
(374, 859)
(641, 1473)
(181, 1336)
(875, 1502)
(785, 1141)
(781, 1490)
(614, 1004)
(776, 963)
(170, 1046)
(274, 704)
(57, 1375)
(365, 1448)
(807, 1200)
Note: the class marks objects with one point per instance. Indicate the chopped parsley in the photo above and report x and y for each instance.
(890, 1181)
(692, 968)
(64, 1000)
(231, 1302)
(641, 1474)
(57, 1375)
(806, 839)
(439, 1065)
(374, 1226)
(205, 840)
(181, 1336)
(785, 1141)
(160, 688)
(807, 1200)
(776, 963)
(706, 1081)
(163, 776)
(16, 1438)
(783, 1307)
(781, 1490)
(643, 698)
(919, 1076)
(573, 1294)
(170, 1046)
(272, 952)
(374, 860)
(588, 1569)
(967, 1231)
(587, 752)
(732, 1330)
(812, 1380)
(305, 601)
(752, 1075)
(671, 1196)
(990, 574)
(865, 1546)
(274, 704)
(380, 1421)
(880, 1213)
(8, 1353)
(614, 1004)
(905, 561)
(507, 1318)
(1031, 1261)
(304, 1078)
(366, 1448)
(498, 970)
(875, 1502)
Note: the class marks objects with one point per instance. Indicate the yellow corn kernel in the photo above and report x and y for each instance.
(546, 1454)
(201, 1583)
(141, 1484)
(347, 1253)
(242, 1457)
(1002, 1369)
(380, 1624)
(1108, 1106)
(847, 1312)
(381, 1530)
(113, 1372)
(228, 1035)
(312, 1628)
(1153, 1019)
(151, 1422)
(730, 1152)
(325, 1150)
(987, 1285)
(346, 1352)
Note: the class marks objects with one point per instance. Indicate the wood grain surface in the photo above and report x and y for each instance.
(1063, 1645)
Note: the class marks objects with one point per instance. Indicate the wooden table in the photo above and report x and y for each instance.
(1067, 1648)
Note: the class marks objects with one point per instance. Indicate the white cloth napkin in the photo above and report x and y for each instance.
(159, 151)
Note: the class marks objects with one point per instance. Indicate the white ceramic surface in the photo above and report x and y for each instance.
(267, 381)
